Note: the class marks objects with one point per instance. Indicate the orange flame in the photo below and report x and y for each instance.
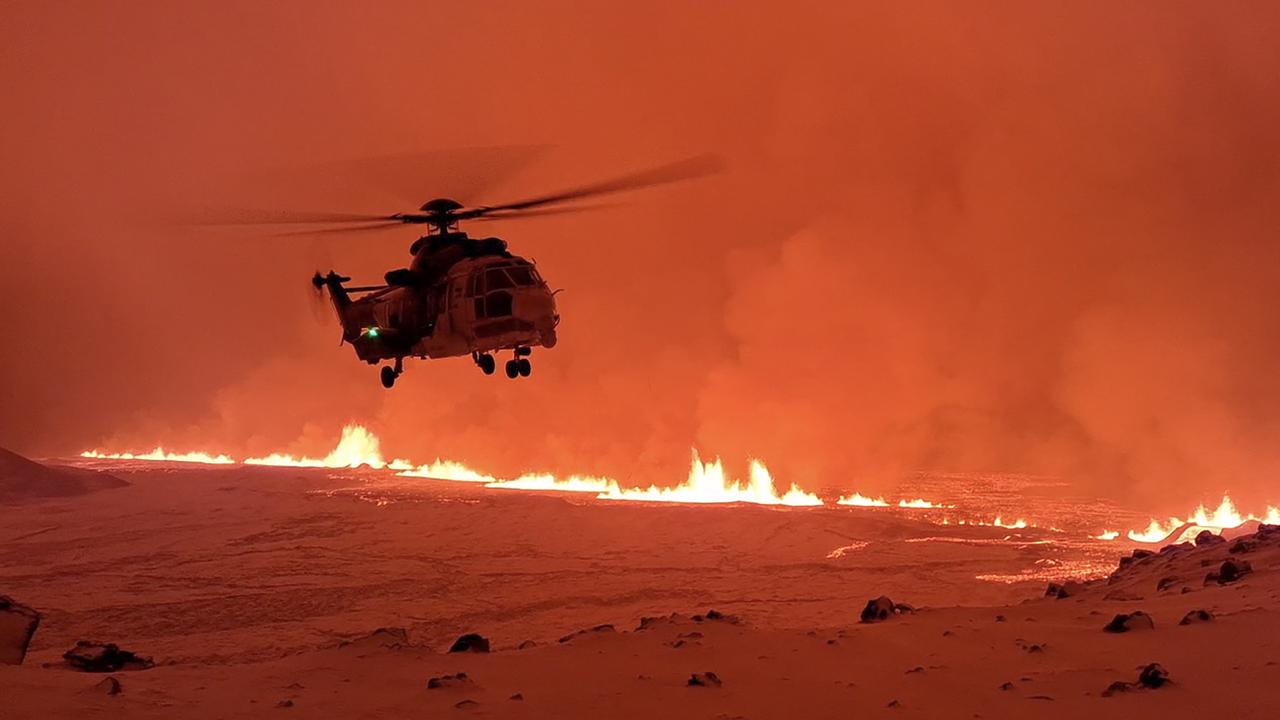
(1224, 517)
(448, 470)
(708, 483)
(356, 447)
(546, 481)
(159, 455)
(860, 500)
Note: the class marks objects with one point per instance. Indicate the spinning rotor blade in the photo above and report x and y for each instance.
(683, 170)
(347, 229)
(284, 217)
(522, 214)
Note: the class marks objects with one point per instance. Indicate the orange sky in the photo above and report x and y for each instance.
(1026, 237)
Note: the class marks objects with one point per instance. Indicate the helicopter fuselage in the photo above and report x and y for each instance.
(459, 297)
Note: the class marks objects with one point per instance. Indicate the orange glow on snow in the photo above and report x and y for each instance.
(159, 455)
(1224, 517)
(356, 447)
(860, 500)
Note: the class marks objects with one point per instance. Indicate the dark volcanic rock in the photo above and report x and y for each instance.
(1136, 620)
(526, 645)
(109, 685)
(1165, 583)
(449, 681)
(471, 642)
(882, 608)
(704, 679)
(17, 624)
(1231, 571)
(1208, 537)
(389, 637)
(1153, 676)
(1063, 590)
(88, 656)
(713, 616)
(1196, 616)
(1118, 686)
(589, 631)
(1241, 546)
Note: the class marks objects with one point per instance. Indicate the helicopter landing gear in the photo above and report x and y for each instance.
(519, 365)
(485, 362)
(389, 374)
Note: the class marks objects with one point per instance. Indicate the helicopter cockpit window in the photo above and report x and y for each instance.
(522, 276)
(497, 278)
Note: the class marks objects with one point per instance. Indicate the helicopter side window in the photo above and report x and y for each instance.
(496, 278)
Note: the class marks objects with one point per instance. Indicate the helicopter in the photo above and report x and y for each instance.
(460, 295)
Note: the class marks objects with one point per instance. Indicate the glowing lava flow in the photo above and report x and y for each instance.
(357, 447)
(573, 483)
(1224, 517)
(159, 455)
(707, 483)
(921, 504)
(448, 470)
(859, 500)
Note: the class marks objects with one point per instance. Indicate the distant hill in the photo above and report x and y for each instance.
(22, 479)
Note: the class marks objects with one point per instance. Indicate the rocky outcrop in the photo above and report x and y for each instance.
(444, 682)
(589, 631)
(882, 608)
(471, 642)
(1061, 591)
(89, 656)
(1152, 676)
(1136, 620)
(1208, 537)
(1196, 616)
(388, 637)
(17, 624)
(22, 480)
(705, 679)
(1229, 572)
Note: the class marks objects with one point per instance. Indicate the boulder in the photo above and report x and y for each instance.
(109, 685)
(90, 656)
(1153, 676)
(471, 642)
(705, 679)
(445, 682)
(1230, 571)
(388, 637)
(1196, 616)
(877, 610)
(1060, 591)
(589, 631)
(1208, 537)
(714, 616)
(17, 624)
(1241, 546)
(1136, 620)
(1165, 583)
